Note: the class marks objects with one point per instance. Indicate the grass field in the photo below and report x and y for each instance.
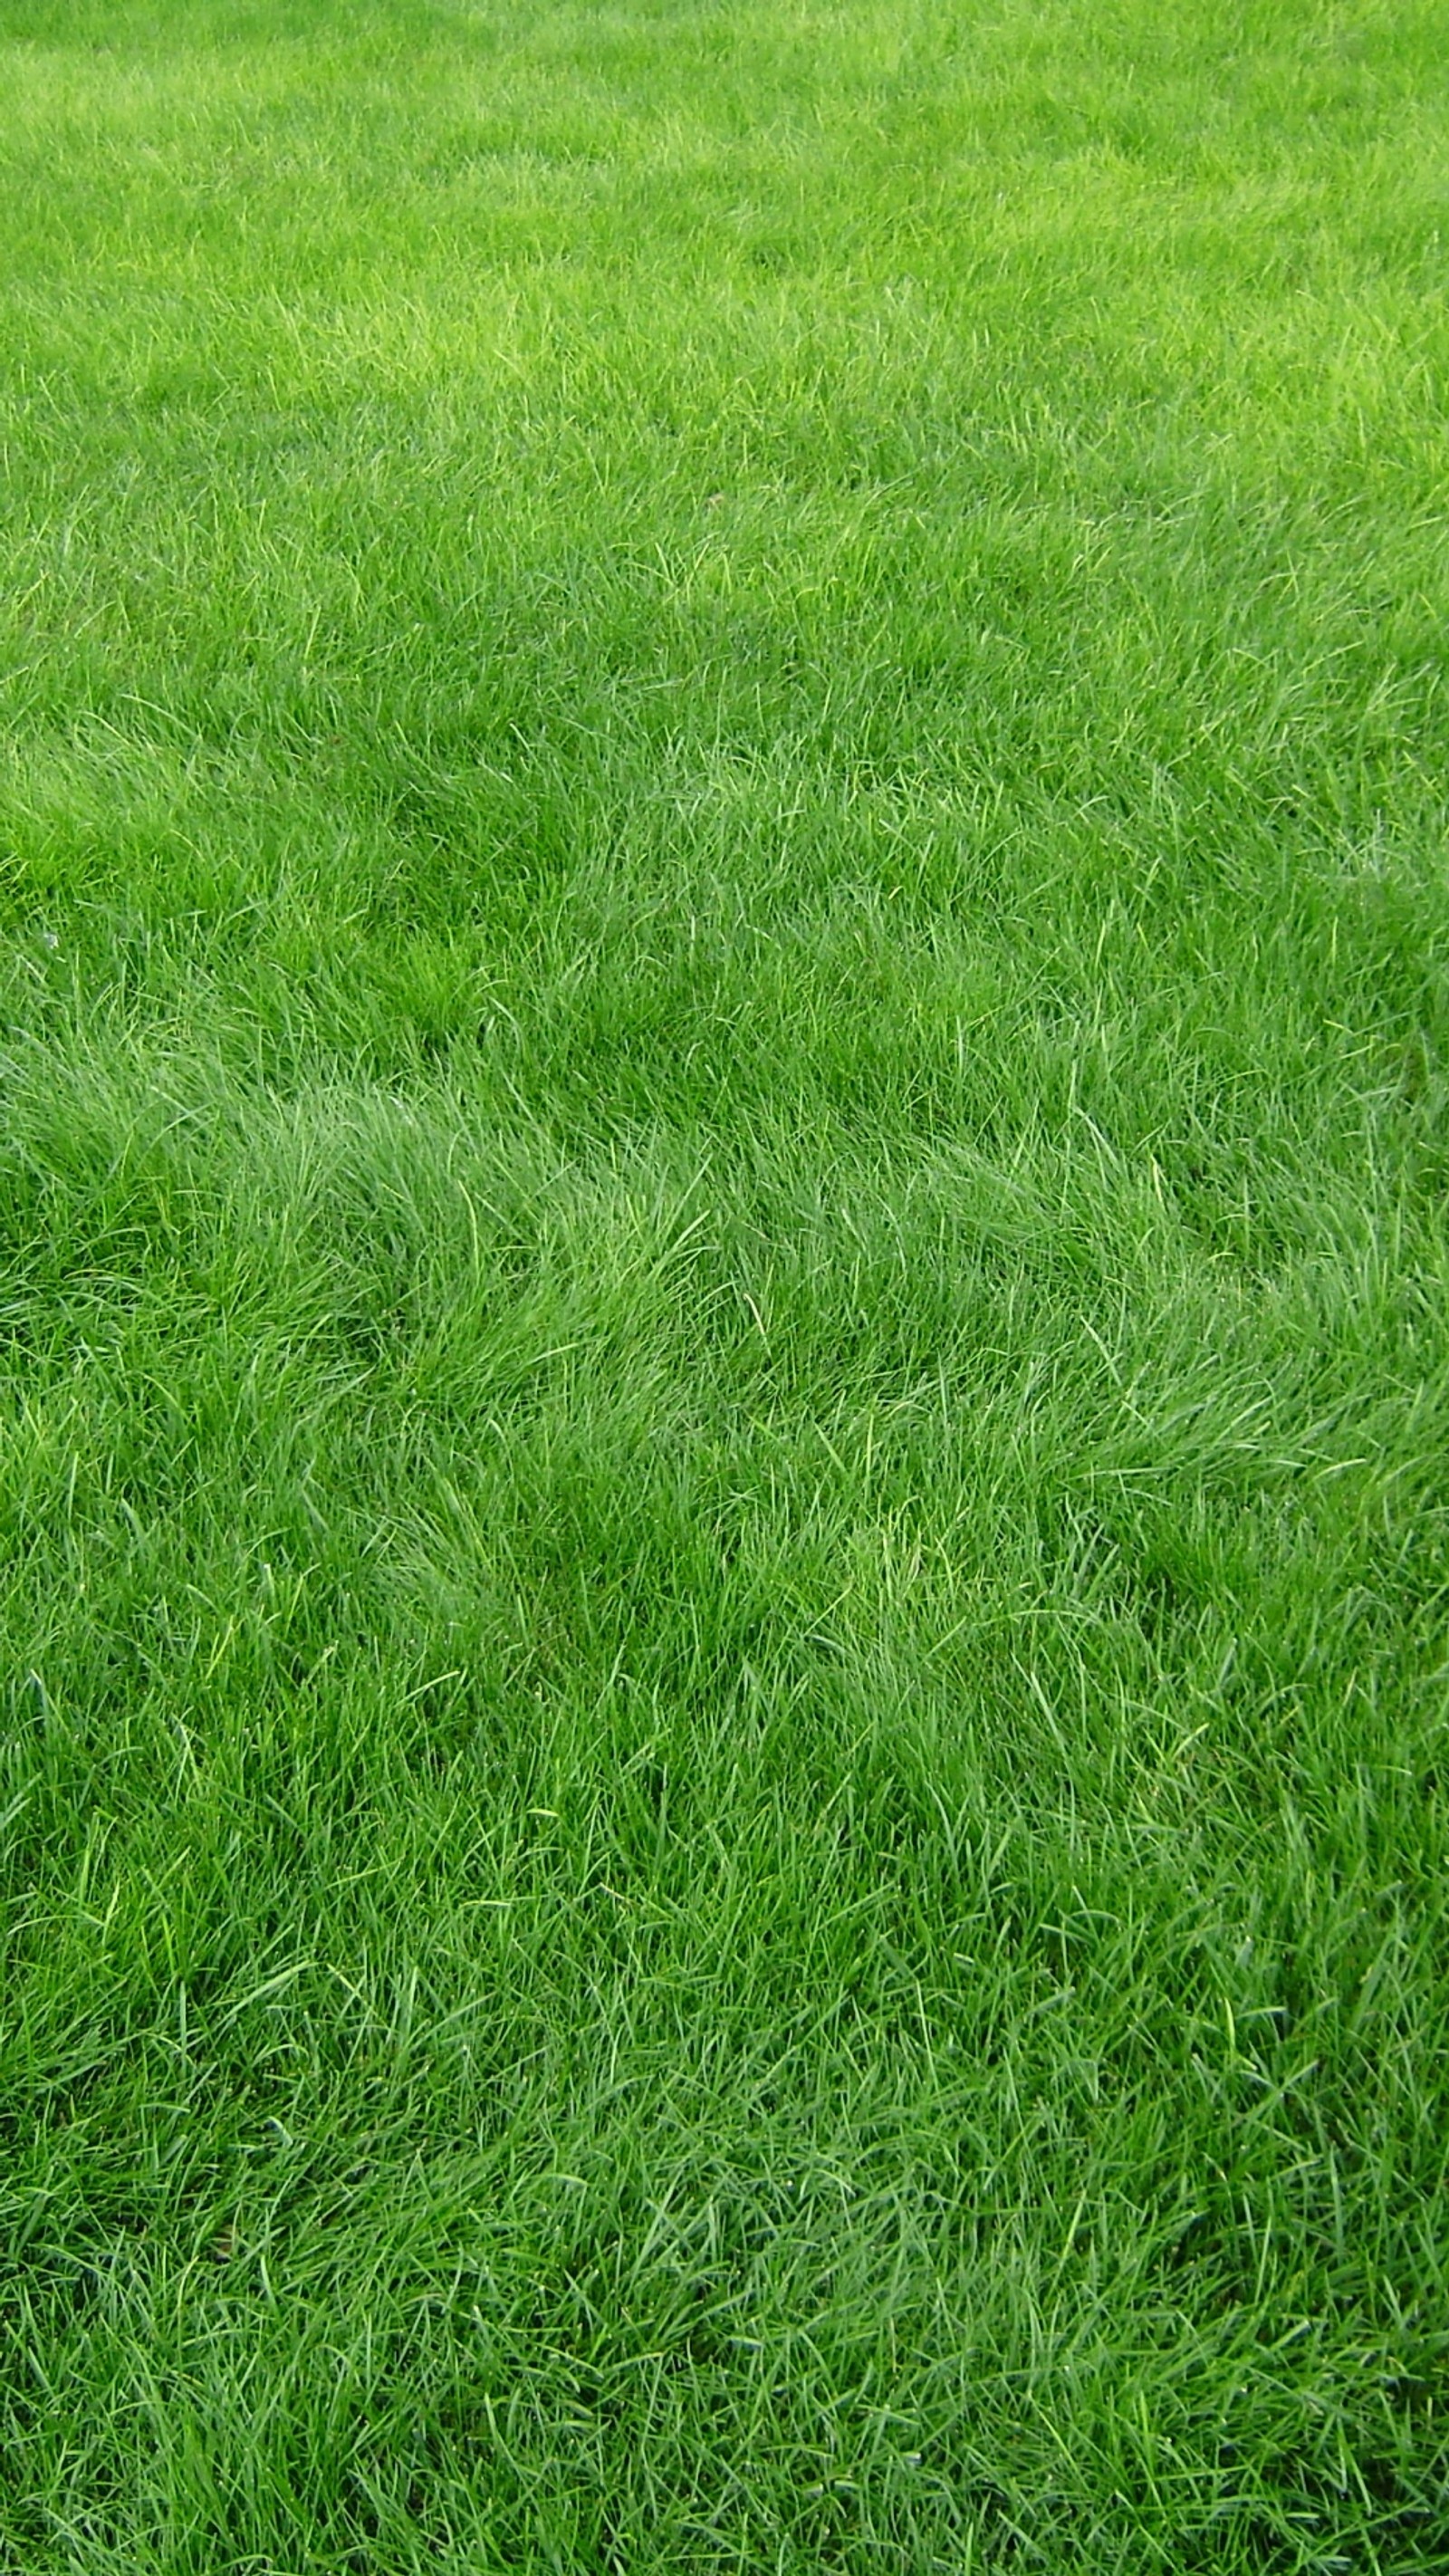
(724, 1266)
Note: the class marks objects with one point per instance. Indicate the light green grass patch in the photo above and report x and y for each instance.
(724, 973)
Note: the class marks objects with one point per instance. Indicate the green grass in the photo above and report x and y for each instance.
(724, 1287)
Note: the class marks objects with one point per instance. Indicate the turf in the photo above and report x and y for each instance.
(724, 1284)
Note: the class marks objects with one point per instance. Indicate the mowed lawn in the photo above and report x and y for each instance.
(724, 1287)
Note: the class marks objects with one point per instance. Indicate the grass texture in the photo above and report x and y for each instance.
(724, 1287)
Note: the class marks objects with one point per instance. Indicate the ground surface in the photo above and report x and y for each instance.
(725, 1300)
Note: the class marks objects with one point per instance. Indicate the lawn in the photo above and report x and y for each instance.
(724, 1287)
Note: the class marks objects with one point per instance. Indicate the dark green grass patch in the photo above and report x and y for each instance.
(724, 1289)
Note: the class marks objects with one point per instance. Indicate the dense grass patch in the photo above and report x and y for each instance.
(724, 1287)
